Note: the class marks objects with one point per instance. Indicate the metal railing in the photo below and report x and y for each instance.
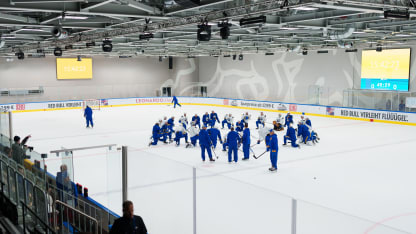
(76, 221)
(37, 223)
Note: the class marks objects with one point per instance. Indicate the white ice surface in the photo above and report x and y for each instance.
(364, 172)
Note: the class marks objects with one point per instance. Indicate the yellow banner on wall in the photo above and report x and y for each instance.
(71, 68)
(387, 64)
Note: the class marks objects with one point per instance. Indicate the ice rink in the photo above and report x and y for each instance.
(358, 179)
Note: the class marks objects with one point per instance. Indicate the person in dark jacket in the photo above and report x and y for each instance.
(129, 223)
(88, 116)
(205, 143)
(18, 149)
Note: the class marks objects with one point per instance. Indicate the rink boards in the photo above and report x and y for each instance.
(394, 117)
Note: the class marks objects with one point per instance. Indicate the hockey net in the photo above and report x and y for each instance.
(95, 104)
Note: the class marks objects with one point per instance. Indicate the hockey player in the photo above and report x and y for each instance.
(224, 121)
(263, 131)
(157, 134)
(212, 122)
(260, 120)
(179, 133)
(308, 122)
(233, 140)
(183, 120)
(193, 134)
(171, 123)
(246, 117)
(214, 134)
(197, 120)
(214, 116)
(205, 143)
(224, 144)
(175, 102)
(246, 142)
(274, 148)
(288, 119)
(290, 135)
(280, 119)
(166, 131)
(230, 121)
(88, 116)
(302, 119)
(267, 140)
(277, 126)
(239, 126)
(164, 121)
(205, 119)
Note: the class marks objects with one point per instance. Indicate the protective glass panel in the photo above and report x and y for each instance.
(12, 185)
(226, 205)
(5, 146)
(29, 195)
(41, 204)
(20, 188)
(4, 124)
(315, 219)
(161, 190)
(4, 178)
(113, 178)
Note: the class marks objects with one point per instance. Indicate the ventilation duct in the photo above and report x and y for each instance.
(341, 35)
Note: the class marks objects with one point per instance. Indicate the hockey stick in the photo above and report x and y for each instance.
(260, 155)
(213, 149)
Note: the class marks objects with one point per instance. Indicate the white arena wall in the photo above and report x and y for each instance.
(392, 117)
(287, 76)
(112, 78)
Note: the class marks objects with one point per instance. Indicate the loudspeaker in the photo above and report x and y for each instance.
(170, 62)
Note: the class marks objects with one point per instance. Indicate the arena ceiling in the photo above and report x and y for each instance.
(33, 26)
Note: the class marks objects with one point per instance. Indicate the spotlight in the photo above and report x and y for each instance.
(379, 48)
(255, 20)
(146, 36)
(305, 51)
(225, 30)
(204, 32)
(234, 56)
(20, 55)
(107, 46)
(240, 57)
(59, 32)
(57, 51)
(79, 58)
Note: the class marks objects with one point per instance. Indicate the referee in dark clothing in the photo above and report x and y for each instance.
(129, 223)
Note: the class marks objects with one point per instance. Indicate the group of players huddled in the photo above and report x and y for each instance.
(207, 133)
